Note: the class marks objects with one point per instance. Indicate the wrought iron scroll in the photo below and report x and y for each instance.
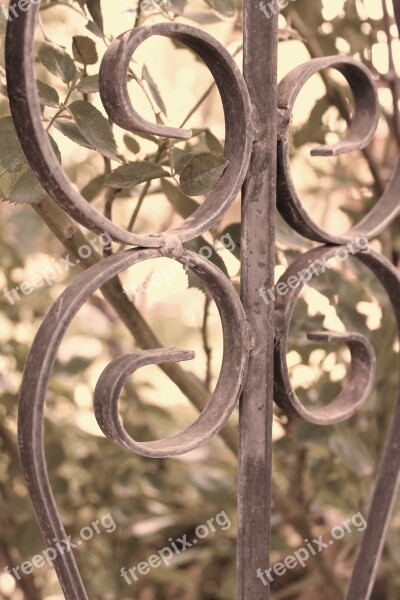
(257, 115)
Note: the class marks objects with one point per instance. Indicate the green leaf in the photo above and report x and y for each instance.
(84, 50)
(213, 143)
(27, 190)
(18, 183)
(184, 205)
(155, 92)
(205, 17)
(57, 61)
(202, 247)
(180, 159)
(89, 85)
(94, 8)
(94, 128)
(314, 129)
(134, 173)
(131, 144)
(202, 173)
(148, 137)
(71, 131)
(48, 96)
(55, 148)
(95, 29)
(347, 446)
(11, 153)
(234, 231)
(93, 188)
(178, 5)
(226, 8)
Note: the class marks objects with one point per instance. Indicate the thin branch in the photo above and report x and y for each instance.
(138, 15)
(205, 95)
(138, 206)
(198, 104)
(110, 195)
(142, 196)
(206, 345)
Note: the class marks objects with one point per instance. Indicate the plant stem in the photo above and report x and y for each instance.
(206, 344)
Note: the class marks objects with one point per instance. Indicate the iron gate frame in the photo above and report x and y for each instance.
(257, 113)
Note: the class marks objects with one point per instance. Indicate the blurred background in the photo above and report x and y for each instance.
(321, 475)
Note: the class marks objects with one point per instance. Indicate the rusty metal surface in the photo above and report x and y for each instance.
(258, 259)
(257, 113)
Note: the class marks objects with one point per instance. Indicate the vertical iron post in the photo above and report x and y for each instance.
(258, 259)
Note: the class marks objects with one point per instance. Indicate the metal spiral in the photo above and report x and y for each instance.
(25, 108)
(43, 355)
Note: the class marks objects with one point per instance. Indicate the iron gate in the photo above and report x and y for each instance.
(257, 113)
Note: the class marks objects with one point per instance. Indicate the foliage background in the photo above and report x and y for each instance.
(323, 473)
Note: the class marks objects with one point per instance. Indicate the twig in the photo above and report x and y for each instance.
(138, 206)
(206, 345)
(205, 95)
(110, 195)
(138, 15)
(142, 196)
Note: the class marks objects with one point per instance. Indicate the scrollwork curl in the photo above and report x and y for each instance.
(388, 477)
(41, 360)
(25, 108)
(359, 135)
(363, 364)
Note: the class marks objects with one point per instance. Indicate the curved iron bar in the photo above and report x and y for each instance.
(38, 371)
(353, 396)
(363, 364)
(359, 135)
(25, 107)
